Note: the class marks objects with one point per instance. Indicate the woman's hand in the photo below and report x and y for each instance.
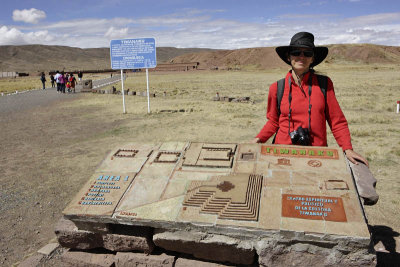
(255, 140)
(354, 156)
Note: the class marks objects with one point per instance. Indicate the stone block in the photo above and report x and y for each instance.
(365, 182)
(49, 249)
(92, 227)
(115, 242)
(216, 98)
(32, 261)
(182, 262)
(80, 258)
(129, 238)
(69, 236)
(206, 246)
(123, 259)
(312, 254)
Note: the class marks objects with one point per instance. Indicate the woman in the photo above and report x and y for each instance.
(304, 108)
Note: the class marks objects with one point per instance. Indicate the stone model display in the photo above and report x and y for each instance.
(250, 192)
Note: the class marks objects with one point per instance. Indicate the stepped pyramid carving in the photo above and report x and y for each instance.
(235, 197)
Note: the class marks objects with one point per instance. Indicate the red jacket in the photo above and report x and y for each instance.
(334, 115)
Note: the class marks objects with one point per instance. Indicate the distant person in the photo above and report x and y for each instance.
(43, 79)
(52, 80)
(80, 75)
(62, 82)
(67, 85)
(72, 82)
(304, 109)
(58, 81)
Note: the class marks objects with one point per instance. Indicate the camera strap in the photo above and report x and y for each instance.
(309, 101)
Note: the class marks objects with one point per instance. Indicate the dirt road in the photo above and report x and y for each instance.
(39, 165)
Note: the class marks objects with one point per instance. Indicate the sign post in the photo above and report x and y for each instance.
(133, 54)
(123, 91)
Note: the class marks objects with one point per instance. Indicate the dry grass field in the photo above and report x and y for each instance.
(10, 85)
(49, 152)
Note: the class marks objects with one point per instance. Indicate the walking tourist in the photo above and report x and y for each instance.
(72, 82)
(80, 75)
(62, 82)
(58, 81)
(43, 79)
(297, 113)
(52, 80)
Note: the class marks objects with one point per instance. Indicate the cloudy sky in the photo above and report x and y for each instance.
(222, 24)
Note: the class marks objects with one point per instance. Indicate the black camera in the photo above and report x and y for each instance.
(300, 137)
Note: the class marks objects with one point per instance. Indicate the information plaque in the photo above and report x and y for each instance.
(133, 53)
(313, 207)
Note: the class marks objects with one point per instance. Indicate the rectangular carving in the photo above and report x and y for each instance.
(302, 152)
(313, 208)
(336, 185)
(125, 153)
(167, 157)
(210, 155)
(247, 156)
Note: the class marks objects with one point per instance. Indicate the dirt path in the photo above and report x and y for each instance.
(30, 99)
(40, 165)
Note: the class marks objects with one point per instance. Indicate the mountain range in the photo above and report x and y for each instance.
(37, 58)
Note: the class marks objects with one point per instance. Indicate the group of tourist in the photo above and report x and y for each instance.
(62, 81)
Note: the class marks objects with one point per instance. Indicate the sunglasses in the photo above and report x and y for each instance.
(297, 53)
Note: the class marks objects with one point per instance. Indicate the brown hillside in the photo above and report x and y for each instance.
(266, 58)
(32, 58)
(364, 53)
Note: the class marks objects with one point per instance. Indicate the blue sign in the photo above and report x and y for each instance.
(133, 53)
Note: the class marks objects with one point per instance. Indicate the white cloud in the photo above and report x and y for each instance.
(32, 15)
(113, 33)
(13, 36)
(205, 31)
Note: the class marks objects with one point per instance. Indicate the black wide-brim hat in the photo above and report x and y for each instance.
(306, 40)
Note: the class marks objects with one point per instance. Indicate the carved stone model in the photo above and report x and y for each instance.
(252, 190)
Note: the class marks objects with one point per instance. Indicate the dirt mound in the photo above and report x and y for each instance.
(364, 53)
(266, 58)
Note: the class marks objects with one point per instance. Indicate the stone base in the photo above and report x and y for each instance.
(273, 253)
(272, 250)
(206, 246)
